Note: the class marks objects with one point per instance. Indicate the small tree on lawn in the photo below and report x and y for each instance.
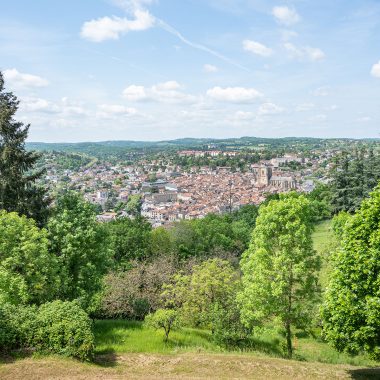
(280, 267)
(165, 319)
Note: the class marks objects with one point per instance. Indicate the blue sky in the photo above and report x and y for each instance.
(93, 70)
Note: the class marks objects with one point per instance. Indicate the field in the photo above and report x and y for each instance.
(128, 350)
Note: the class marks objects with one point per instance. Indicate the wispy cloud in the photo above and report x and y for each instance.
(198, 46)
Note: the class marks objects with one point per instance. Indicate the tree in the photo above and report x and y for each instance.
(280, 266)
(18, 190)
(213, 282)
(160, 242)
(134, 205)
(27, 269)
(135, 292)
(351, 310)
(129, 239)
(166, 319)
(80, 244)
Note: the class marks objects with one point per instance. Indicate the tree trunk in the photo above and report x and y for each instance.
(288, 333)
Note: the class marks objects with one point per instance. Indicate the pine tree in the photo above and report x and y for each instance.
(18, 189)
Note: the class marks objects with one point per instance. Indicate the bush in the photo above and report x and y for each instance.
(64, 328)
(56, 327)
(17, 325)
(228, 330)
(163, 319)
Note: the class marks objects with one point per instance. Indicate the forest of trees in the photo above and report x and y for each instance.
(229, 274)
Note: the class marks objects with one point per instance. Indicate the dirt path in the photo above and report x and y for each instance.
(184, 366)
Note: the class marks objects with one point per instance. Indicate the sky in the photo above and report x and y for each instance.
(94, 70)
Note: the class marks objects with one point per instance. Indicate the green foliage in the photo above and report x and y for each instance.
(321, 197)
(18, 190)
(28, 272)
(339, 222)
(355, 174)
(160, 242)
(228, 330)
(213, 282)
(351, 310)
(214, 235)
(57, 327)
(129, 240)
(81, 246)
(280, 267)
(134, 205)
(135, 292)
(64, 328)
(166, 319)
(17, 324)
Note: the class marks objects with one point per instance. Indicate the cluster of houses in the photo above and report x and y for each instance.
(174, 194)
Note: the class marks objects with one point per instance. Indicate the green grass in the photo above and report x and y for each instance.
(324, 243)
(120, 336)
(131, 336)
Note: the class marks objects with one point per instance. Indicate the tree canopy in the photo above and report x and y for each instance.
(280, 266)
(18, 189)
(351, 310)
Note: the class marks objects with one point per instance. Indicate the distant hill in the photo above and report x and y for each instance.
(115, 148)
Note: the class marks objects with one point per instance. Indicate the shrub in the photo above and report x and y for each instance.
(56, 327)
(64, 328)
(16, 326)
(165, 319)
(228, 330)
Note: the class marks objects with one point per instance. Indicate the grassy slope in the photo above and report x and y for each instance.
(129, 350)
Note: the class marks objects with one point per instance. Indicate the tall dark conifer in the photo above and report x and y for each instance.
(18, 189)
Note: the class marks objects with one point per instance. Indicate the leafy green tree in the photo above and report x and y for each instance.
(18, 189)
(81, 247)
(166, 319)
(134, 205)
(280, 267)
(160, 242)
(322, 198)
(28, 272)
(351, 310)
(213, 282)
(129, 239)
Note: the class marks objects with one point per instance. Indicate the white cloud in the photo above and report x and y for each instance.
(320, 117)
(107, 28)
(375, 71)
(257, 48)
(234, 94)
(243, 115)
(207, 68)
(24, 80)
(305, 107)
(287, 35)
(321, 91)
(117, 109)
(65, 107)
(135, 93)
(285, 15)
(31, 104)
(170, 92)
(364, 119)
(313, 54)
(269, 109)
